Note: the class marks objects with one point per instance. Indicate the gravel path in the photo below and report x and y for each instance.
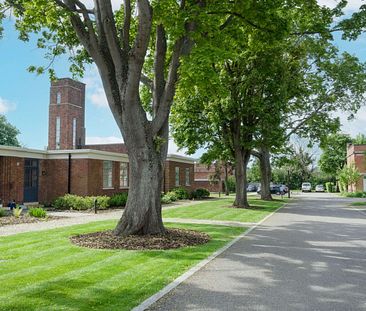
(75, 218)
(311, 255)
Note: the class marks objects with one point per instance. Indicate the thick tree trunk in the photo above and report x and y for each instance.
(266, 174)
(241, 162)
(142, 214)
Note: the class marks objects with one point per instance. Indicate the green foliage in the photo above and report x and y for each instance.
(17, 211)
(119, 199)
(360, 139)
(71, 201)
(348, 176)
(329, 186)
(2, 212)
(172, 195)
(231, 183)
(37, 212)
(181, 193)
(166, 199)
(254, 172)
(8, 133)
(200, 193)
(358, 194)
(334, 154)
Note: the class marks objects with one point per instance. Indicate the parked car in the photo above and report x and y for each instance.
(252, 188)
(319, 188)
(306, 187)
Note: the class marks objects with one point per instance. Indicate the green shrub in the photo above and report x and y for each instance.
(181, 193)
(72, 201)
(358, 194)
(231, 183)
(17, 211)
(165, 199)
(202, 193)
(172, 195)
(119, 199)
(2, 212)
(37, 212)
(329, 186)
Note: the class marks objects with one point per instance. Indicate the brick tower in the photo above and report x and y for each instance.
(66, 125)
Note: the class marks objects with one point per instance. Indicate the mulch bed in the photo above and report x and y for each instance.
(11, 220)
(173, 238)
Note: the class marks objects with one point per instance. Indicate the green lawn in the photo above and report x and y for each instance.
(44, 271)
(358, 204)
(222, 210)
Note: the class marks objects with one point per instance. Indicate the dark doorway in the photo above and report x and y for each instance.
(31, 170)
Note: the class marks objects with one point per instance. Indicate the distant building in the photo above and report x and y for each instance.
(69, 165)
(356, 154)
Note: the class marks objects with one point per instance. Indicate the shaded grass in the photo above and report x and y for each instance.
(358, 204)
(222, 210)
(44, 271)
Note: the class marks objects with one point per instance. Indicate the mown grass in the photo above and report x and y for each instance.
(358, 204)
(222, 210)
(44, 271)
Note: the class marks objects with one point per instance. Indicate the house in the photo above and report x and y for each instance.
(69, 165)
(356, 154)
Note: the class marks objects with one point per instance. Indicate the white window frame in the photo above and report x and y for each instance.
(177, 177)
(107, 174)
(74, 123)
(58, 98)
(123, 175)
(187, 176)
(58, 133)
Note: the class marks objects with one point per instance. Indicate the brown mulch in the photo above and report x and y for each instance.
(173, 238)
(11, 220)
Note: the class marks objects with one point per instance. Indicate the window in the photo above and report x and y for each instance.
(177, 176)
(123, 175)
(107, 174)
(58, 98)
(58, 132)
(187, 177)
(74, 133)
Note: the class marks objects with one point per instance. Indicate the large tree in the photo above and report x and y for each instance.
(8, 133)
(143, 41)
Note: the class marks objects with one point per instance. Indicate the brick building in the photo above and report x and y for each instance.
(69, 165)
(356, 154)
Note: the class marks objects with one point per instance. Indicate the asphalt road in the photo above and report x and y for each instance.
(311, 255)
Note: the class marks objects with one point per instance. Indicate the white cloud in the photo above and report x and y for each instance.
(351, 6)
(355, 126)
(94, 88)
(6, 106)
(98, 140)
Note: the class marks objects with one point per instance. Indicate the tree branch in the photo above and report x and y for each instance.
(126, 25)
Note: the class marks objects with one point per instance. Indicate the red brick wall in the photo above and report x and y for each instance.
(169, 175)
(207, 185)
(72, 106)
(356, 155)
(11, 179)
(119, 148)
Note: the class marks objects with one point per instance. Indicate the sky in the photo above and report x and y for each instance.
(24, 96)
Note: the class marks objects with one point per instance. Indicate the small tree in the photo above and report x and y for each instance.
(8, 133)
(348, 176)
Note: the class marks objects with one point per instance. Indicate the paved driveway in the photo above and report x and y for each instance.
(311, 255)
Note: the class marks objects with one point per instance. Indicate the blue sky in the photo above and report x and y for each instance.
(24, 97)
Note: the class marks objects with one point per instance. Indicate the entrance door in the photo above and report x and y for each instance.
(31, 170)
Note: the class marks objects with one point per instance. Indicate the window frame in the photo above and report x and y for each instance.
(58, 133)
(107, 174)
(124, 180)
(187, 176)
(177, 176)
(58, 98)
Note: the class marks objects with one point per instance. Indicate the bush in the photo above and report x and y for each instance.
(329, 186)
(17, 211)
(202, 193)
(2, 212)
(72, 201)
(119, 199)
(358, 194)
(165, 199)
(172, 195)
(181, 193)
(231, 183)
(37, 212)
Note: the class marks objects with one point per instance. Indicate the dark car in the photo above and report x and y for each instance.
(274, 189)
(252, 188)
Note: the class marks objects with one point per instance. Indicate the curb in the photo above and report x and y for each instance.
(160, 294)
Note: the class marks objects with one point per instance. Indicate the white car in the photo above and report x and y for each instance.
(306, 187)
(319, 188)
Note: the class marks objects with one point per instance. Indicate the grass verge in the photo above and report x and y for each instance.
(358, 204)
(223, 210)
(44, 271)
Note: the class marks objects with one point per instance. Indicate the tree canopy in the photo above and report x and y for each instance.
(8, 133)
